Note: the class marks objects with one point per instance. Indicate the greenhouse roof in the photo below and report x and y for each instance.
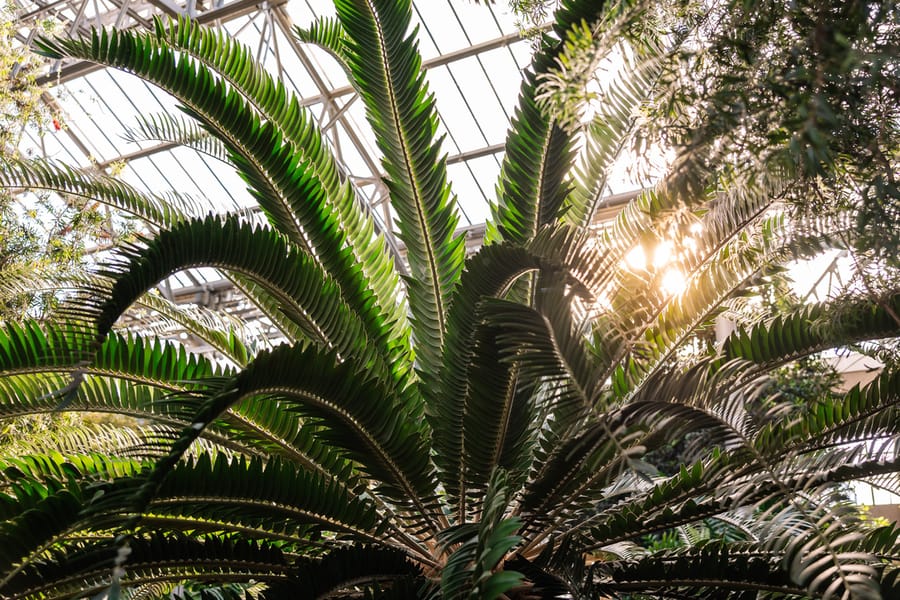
(474, 54)
(474, 59)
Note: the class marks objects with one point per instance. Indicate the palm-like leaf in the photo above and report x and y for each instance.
(159, 210)
(275, 105)
(385, 63)
(288, 189)
(177, 130)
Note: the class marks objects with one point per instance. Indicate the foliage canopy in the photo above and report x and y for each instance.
(485, 427)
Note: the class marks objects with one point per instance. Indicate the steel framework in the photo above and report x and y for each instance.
(269, 26)
(94, 104)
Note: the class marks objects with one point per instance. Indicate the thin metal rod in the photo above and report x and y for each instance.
(437, 61)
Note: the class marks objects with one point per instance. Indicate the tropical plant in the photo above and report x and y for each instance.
(483, 427)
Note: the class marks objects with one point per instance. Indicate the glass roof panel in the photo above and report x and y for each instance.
(471, 182)
(457, 114)
(505, 60)
(441, 28)
(486, 22)
(473, 53)
(83, 110)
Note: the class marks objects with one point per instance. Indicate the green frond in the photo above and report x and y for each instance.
(813, 328)
(641, 220)
(57, 467)
(487, 274)
(38, 526)
(328, 34)
(738, 243)
(501, 415)
(861, 415)
(192, 591)
(355, 413)
(550, 350)
(573, 473)
(385, 63)
(41, 394)
(271, 430)
(685, 497)
(785, 461)
(555, 383)
(307, 295)
(814, 472)
(88, 568)
(30, 394)
(663, 326)
(532, 190)
(176, 130)
(161, 210)
(490, 274)
(819, 539)
(28, 484)
(270, 496)
(269, 305)
(884, 542)
(269, 98)
(575, 454)
(46, 348)
(538, 155)
(287, 188)
(136, 442)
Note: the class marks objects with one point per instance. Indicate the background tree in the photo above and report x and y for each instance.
(42, 236)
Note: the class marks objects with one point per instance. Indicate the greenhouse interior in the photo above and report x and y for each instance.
(448, 299)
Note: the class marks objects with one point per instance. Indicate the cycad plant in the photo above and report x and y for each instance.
(486, 426)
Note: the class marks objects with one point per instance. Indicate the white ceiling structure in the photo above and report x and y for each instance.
(474, 55)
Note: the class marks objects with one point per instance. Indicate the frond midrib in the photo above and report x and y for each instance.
(252, 502)
(348, 418)
(437, 292)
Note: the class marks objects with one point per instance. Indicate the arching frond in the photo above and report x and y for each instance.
(813, 328)
(309, 297)
(270, 98)
(355, 412)
(177, 130)
(90, 567)
(284, 184)
(157, 209)
(328, 33)
(274, 497)
(34, 348)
